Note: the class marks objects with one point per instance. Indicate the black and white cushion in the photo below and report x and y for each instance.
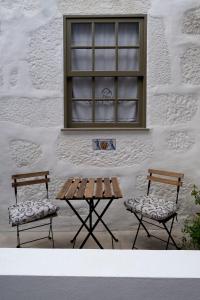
(28, 211)
(152, 207)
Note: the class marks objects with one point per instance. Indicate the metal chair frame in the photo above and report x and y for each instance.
(34, 180)
(140, 217)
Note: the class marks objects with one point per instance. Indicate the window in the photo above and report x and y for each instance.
(105, 71)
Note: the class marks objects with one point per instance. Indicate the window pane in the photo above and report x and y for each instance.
(104, 88)
(82, 111)
(128, 34)
(104, 111)
(128, 60)
(104, 34)
(104, 59)
(127, 111)
(82, 87)
(81, 34)
(127, 87)
(81, 59)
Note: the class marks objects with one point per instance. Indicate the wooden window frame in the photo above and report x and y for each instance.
(140, 74)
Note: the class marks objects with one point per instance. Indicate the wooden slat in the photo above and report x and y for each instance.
(107, 188)
(116, 189)
(30, 182)
(80, 192)
(166, 173)
(26, 175)
(99, 188)
(77, 188)
(64, 189)
(165, 180)
(89, 191)
(72, 189)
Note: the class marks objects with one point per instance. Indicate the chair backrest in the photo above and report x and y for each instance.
(33, 178)
(166, 177)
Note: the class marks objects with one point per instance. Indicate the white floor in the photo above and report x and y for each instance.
(62, 240)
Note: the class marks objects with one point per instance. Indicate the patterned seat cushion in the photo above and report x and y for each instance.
(152, 207)
(28, 211)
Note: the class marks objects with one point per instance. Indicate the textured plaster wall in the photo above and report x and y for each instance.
(31, 104)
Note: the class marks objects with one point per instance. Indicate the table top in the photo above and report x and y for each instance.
(90, 188)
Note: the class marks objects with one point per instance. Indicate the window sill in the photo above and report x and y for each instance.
(105, 129)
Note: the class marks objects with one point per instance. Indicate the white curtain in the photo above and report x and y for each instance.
(104, 61)
(104, 111)
(127, 111)
(105, 34)
(81, 60)
(128, 60)
(82, 111)
(82, 87)
(104, 87)
(81, 34)
(128, 34)
(127, 87)
(105, 90)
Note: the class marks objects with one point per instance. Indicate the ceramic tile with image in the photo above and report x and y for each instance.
(104, 144)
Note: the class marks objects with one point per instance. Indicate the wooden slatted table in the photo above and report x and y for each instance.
(92, 190)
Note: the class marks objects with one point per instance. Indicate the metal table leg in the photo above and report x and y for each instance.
(96, 223)
(104, 224)
(85, 221)
(90, 230)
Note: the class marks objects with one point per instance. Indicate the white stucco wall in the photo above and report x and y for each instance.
(31, 103)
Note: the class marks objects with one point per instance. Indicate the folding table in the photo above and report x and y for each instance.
(92, 190)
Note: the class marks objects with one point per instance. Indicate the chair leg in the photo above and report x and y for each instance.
(170, 233)
(50, 236)
(137, 233)
(140, 220)
(170, 236)
(18, 238)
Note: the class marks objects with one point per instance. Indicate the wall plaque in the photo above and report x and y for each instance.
(104, 144)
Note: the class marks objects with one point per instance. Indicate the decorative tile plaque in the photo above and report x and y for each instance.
(104, 144)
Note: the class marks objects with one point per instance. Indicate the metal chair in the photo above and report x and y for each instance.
(23, 212)
(157, 209)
